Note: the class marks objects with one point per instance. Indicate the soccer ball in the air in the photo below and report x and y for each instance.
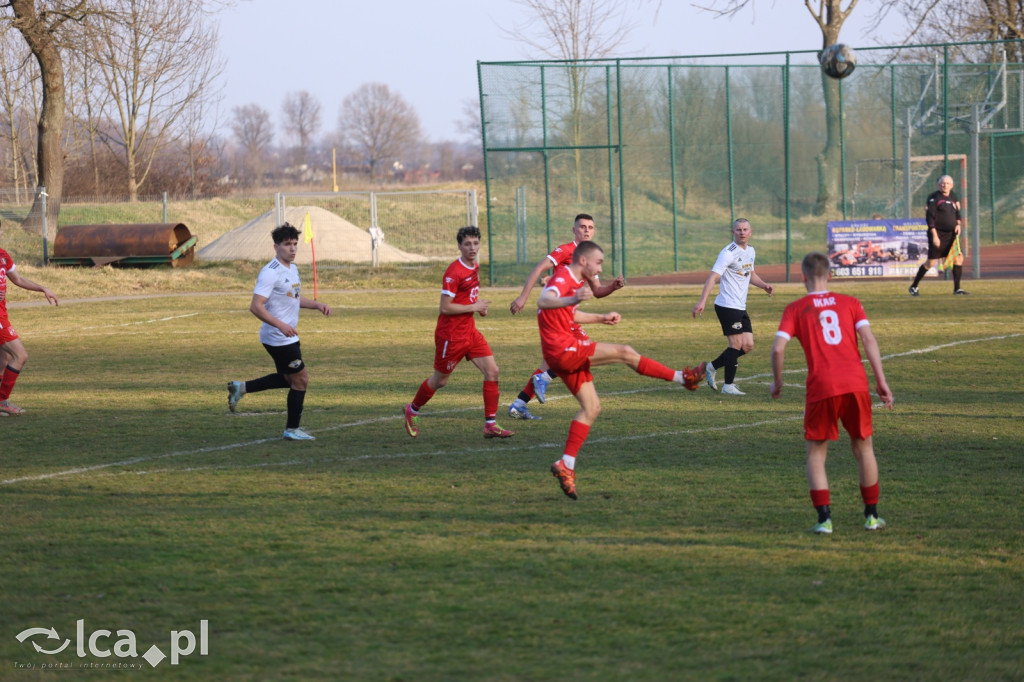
(838, 61)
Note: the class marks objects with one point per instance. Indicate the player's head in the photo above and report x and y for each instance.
(468, 231)
(469, 244)
(583, 227)
(590, 256)
(815, 266)
(945, 183)
(284, 232)
(741, 231)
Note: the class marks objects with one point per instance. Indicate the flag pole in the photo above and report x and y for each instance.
(308, 232)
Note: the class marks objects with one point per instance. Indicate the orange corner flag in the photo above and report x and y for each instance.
(308, 229)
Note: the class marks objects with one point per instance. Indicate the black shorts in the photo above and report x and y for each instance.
(946, 240)
(733, 321)
(287, 358)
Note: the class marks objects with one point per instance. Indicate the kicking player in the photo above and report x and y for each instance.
(583, 230)
(735, 269)
(456, 337)
(569, 351)
(13, 355)
(276, 301)
(827, 325)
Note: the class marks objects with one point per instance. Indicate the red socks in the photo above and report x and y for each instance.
(819, 498)
(490, 400)
(653, 368)
(423, 395)
(7, 382)
(869, 494)
(578, 432)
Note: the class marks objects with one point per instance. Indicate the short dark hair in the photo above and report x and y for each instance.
(815, 265)
(585, 249)
(467, 231)
(284, 232)
(582, 216)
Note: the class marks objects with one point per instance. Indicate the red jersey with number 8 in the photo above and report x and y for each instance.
(826, 325)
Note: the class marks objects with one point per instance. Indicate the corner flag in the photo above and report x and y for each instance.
(307, 231)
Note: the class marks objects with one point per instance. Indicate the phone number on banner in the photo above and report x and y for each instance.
(859, 271)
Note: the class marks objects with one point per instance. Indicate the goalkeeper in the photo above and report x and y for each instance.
(570, 352)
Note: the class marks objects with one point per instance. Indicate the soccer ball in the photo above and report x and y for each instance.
(838, 61)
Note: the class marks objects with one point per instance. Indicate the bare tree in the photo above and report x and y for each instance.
(17, 76)
(41, 29)
(932, 21)
(156, 57)
(470, 125)
(830, 15)
(252, 128)
(301, 121)
(197, 141)
(379, 123)
(574, 30)
(85, 99)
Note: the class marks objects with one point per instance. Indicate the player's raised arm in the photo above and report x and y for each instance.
(549, 298)
(520, 301)
(602, 290)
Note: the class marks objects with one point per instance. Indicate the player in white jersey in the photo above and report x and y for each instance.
(735, 270)
(276, 301)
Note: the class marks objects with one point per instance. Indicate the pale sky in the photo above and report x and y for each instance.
(427, 50)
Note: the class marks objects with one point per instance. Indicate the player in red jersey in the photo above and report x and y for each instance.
(827, 325)
(582, 230)
(13, 355)
(571, 353)
(456, 337)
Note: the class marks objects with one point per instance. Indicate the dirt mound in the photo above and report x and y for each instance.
(335, 239)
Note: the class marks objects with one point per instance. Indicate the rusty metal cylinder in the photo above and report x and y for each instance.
(135, 243)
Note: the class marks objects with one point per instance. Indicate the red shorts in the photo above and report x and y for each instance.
(7, 332)
(448, 353)
(573, 364)
(821, 418)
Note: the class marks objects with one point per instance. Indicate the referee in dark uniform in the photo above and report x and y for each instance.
(943, 217)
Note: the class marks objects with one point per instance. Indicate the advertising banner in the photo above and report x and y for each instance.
(878, 248)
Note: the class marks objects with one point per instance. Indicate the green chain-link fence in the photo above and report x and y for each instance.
(666, 152)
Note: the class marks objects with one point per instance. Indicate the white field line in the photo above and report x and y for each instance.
(610, 439)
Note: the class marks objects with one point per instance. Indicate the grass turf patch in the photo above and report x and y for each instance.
(132, 499)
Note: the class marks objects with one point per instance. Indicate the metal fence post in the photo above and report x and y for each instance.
(165, 206)
(46, 228)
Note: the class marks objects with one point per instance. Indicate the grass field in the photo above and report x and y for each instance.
(131, 499)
